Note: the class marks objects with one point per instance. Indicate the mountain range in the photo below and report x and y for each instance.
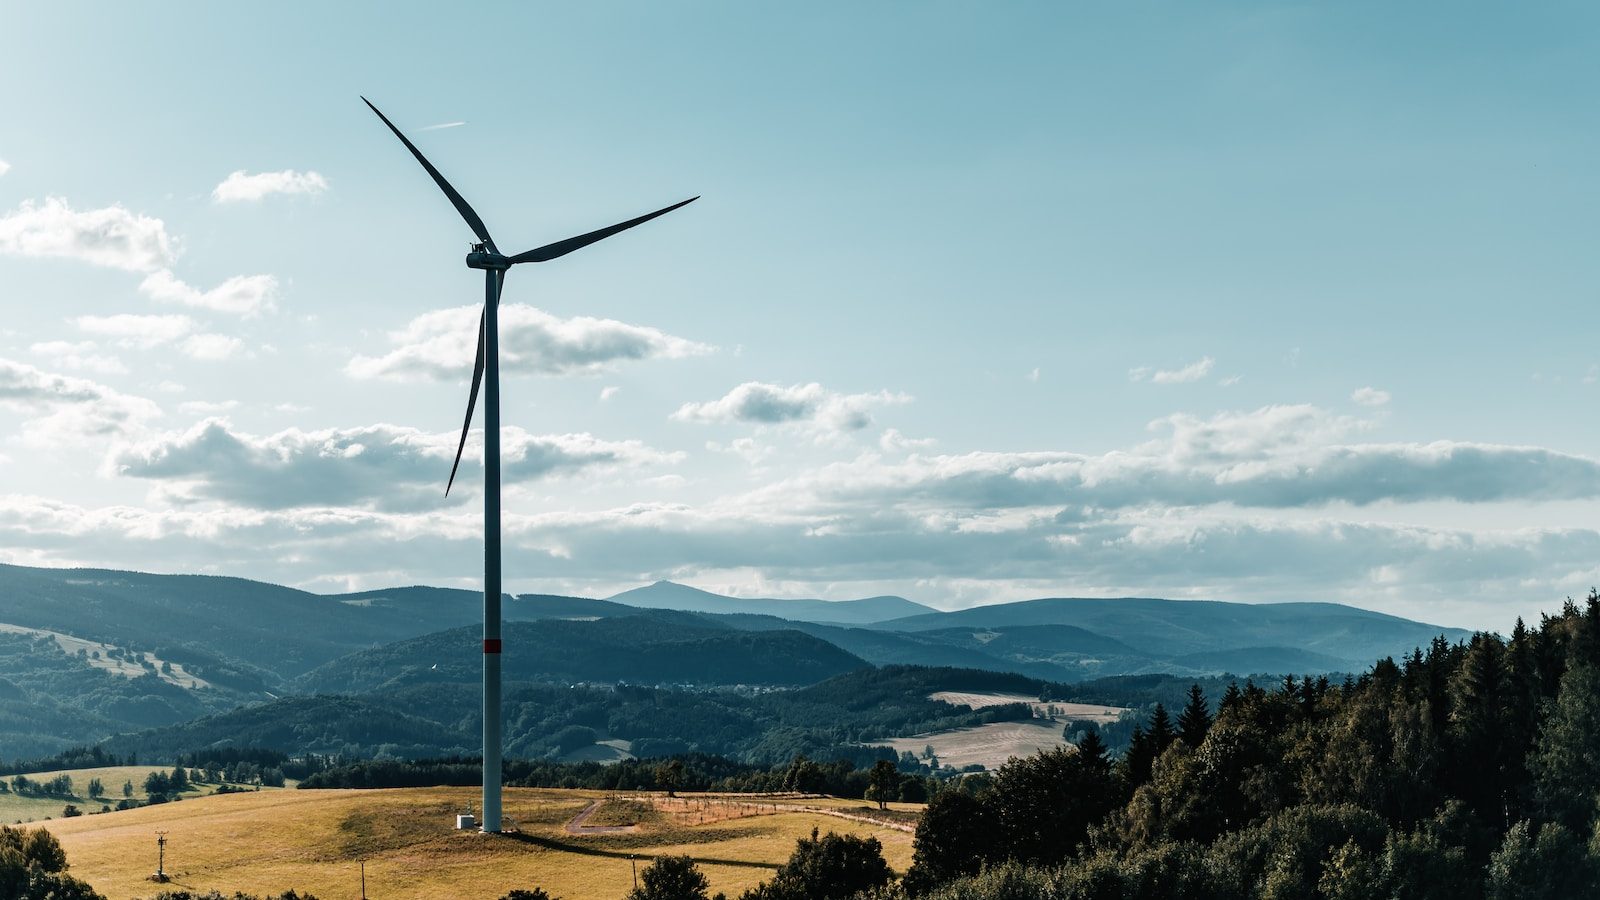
(199, 646)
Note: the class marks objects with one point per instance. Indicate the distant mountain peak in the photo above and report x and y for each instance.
(665, 594)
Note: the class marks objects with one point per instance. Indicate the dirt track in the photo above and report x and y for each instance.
(577, 826)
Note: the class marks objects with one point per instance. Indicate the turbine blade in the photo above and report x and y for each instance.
(562, 248)
(472, 401)
(461, 205)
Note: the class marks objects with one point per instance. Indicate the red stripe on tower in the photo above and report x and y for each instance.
(491, 645)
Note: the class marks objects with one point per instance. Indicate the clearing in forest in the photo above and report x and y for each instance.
(986, 745)
(1082, 712)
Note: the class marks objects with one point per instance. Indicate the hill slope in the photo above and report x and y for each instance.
(1173, 628)
(647, 648)
(668, 595)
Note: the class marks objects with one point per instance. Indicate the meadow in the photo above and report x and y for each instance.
(985, 745)
(15, 808)
(1061, 709)
(315, 841)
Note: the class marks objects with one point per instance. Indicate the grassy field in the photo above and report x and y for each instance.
(1090, 712)
(315, 840)
(986, 745)
(28, 809)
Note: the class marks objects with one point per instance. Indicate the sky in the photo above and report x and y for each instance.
(981, 302)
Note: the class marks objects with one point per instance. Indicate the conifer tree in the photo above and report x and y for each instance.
(1195, 720)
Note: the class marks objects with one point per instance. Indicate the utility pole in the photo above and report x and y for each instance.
(363, 880)
(634, 861)
(161, 856)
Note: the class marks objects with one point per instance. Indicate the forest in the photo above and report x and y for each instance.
(1463, 771)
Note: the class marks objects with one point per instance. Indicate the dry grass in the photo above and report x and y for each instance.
(986, 745)
(1100, 715)
(621, 811)
(314, 840)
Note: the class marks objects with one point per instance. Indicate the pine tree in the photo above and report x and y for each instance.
(1092, 750)
(1161, 732)
(1195, 720)
(1231, 697)
(1565, 762)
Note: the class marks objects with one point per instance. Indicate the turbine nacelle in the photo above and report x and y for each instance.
(482, 257)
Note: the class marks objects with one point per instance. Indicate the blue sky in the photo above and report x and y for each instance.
(982, 302)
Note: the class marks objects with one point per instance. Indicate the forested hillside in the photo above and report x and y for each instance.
(824, 721)
(1464, 771)
(650, 648)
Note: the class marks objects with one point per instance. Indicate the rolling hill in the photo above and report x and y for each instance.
(649, 648)
(1179, 628)
(85, 653)
(669, 595)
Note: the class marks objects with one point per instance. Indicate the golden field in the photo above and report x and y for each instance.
(314, 841)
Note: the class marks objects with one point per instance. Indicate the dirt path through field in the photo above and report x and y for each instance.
(577, 826)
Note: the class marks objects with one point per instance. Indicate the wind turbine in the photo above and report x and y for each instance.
(486, 371)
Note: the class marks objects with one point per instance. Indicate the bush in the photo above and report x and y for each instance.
(33, 867)
(671, 878)
(833, 867)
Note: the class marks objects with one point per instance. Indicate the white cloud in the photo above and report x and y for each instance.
(239, 186)
(1488, 575)
(1198, 509)
(245, 295)
(4, 167)
(441, 126)
(442, 344)
(211, 347)
(1034, 375)
(1276, 457)
(892, 441)
(1370, 396)
(141, 331)
(609, 391)
(771, 404)
(81, 355)
(111, 236)
(66, 408)
(1192, 372)
(377, 466)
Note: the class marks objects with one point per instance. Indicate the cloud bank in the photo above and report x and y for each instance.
(371, 467)
(63, 408)
(111, 236)
(441, 345)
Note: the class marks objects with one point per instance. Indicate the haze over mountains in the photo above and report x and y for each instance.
(203, 645)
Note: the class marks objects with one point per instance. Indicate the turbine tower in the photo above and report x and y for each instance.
(486, 372)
